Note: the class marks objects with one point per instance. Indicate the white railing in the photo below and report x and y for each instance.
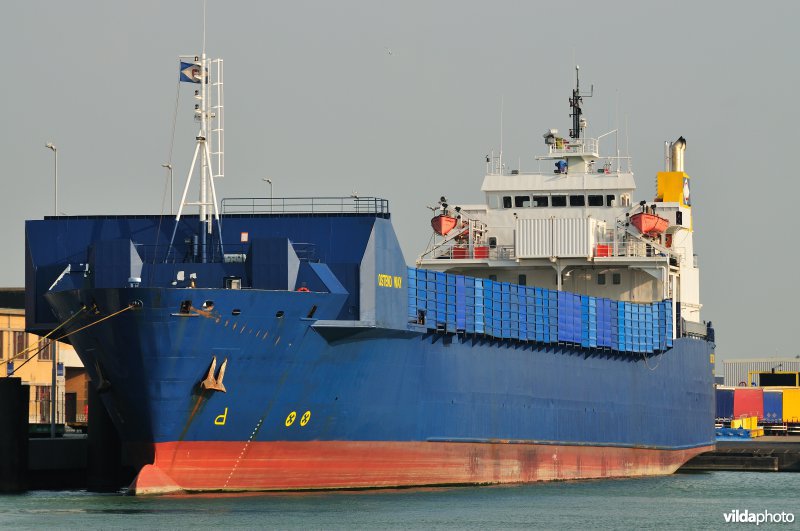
(563, 147)
(601, 249)
(460, 251)
(629, 248)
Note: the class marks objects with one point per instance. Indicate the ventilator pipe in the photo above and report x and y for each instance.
(667, 160)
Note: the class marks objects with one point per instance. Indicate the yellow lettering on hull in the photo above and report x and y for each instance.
(389, 281)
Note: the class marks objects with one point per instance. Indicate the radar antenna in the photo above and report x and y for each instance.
(578, 123)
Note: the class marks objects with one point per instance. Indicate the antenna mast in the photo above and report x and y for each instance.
(578, 123)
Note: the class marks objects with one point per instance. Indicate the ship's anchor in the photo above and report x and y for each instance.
(211, 383)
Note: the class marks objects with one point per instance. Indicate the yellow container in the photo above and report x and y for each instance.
(791, 405)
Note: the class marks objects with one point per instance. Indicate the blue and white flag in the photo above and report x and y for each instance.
(190, 73)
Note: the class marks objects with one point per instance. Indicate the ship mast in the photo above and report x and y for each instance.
(578, 123)
(211, 163)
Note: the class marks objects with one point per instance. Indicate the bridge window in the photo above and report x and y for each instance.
(611, 200)
(522, 280)
(596, 200)
(506, 201)
(522, 201)
(616, 278)
(577, 200)
(559, 200)
(540, 201)
(601, 278)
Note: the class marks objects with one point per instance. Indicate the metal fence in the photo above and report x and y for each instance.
(71, 412)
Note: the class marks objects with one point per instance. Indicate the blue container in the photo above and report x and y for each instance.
(724, 399)
(773, 407)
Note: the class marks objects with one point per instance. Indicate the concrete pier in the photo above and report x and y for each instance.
(763, 454)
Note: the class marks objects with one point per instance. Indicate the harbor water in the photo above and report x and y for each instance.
(681, 501)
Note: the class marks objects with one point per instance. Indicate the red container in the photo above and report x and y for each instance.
(748, 403)
(602, 250)
(482, 252)
(460, 252)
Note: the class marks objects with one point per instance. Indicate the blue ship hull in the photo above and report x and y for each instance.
(313, 399)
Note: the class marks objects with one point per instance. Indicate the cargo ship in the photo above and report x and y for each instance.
(285, 344)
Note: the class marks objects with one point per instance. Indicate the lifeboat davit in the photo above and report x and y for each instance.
(649, 224)
(442, 224)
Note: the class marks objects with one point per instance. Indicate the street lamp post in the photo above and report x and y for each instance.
(51, 147)
(269, 182)
(54, 350)
(168, 166)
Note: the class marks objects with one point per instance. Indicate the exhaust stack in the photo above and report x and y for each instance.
(676, 159)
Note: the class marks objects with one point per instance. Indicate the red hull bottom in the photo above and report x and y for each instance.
(262, 466)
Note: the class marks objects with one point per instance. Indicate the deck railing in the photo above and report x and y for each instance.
(601, 249)
(184, 252)
(563, 147)
(305, 205)
(459, 251)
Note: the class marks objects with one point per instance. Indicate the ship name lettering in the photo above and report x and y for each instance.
(389, 281)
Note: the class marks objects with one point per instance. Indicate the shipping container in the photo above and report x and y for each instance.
(748, 402)
(791, 405)
(773, 406)
(724, 399)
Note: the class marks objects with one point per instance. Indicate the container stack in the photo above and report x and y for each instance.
(776, 410)
(501, 310)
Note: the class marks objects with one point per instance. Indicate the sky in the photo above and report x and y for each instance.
(315, 102)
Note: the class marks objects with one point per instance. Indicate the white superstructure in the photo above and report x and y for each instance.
(575, 228)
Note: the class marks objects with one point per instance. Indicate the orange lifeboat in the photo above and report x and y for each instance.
(442, 224)
(649, 224)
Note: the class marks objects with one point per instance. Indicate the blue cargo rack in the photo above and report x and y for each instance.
(505, 311)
